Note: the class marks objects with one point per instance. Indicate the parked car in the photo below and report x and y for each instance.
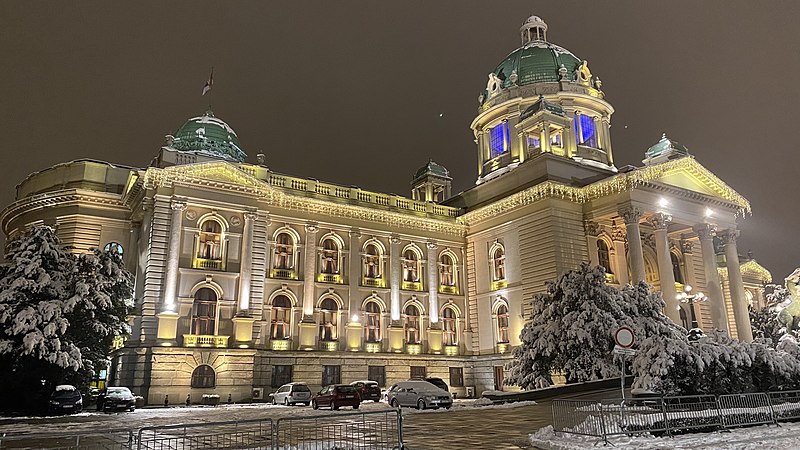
(118, 399)
(438, 382)
(368, 390)
(292, 394)
(420, 394)
(66, 399)
(336, 396)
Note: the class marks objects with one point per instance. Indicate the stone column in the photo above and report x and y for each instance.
(660, 223)
(308, 325)
(738, 298)
(168, 317)
(719, 317)
(631, 216)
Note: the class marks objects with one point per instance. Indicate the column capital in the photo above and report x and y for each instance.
(250, 215)
(729, 236)
(432, 245)
(354, 233)
(395, 240)
(630, 214)
(178, 203)
(705, 230)
(591, 228)
(660, 221)
(311, 227)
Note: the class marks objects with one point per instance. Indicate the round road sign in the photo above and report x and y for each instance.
(624, 337)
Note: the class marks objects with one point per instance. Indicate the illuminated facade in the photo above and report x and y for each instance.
(247, 278)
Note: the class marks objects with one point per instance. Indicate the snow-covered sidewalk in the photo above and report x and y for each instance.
(765, 437)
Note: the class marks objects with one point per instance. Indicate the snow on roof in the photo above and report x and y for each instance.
(65, 387)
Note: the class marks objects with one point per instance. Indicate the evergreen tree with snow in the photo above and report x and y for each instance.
(58, 316)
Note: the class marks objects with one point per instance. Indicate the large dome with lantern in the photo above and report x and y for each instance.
(210, 136)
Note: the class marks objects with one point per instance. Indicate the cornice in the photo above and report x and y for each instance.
(63, 198)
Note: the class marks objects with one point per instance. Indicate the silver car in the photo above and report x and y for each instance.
(419, 394)
(292, 394)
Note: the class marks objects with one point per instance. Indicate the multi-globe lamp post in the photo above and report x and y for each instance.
(687, 297)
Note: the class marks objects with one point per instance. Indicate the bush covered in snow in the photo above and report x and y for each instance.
(59, 314)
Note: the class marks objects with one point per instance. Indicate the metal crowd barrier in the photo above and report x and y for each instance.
(250, 434)
(113, 439)
(374, 430)
(672, 415)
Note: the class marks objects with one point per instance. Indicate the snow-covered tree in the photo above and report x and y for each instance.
(58, 314)
(570, 331)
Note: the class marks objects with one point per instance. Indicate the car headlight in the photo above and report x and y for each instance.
(53, 402)
(430, 397)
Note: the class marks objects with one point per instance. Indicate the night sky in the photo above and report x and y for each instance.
(364, 93)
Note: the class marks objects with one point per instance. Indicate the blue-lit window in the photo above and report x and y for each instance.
(498, 138)
(586, 132)
(555, 138)
(534, 142)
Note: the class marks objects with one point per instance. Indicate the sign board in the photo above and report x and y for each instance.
(624, 351)
(624, 337)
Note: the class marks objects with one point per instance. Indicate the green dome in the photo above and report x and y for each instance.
(432, 168)
(209, 136)
(537, 62)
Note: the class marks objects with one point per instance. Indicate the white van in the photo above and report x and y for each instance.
(419, 394)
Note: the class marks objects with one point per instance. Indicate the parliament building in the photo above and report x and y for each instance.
(246, 279)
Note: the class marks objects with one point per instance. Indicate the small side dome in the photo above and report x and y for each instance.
(209, 136)
(432, 168)
(663, 150)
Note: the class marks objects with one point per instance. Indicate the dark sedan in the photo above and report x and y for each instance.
(66, 399)
(368, 390)
(119, 399)
(336, 396)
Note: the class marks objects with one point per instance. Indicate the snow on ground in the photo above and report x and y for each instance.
(762, 437)
(146, 417)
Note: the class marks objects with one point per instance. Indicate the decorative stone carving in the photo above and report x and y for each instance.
(178, 203)
(687, 246)
(191, 214)
(235, 221)
(649, 240)
(630, 214)
(705, 230)
(660, 221)
(312, 227)
(729, 236)
(395, 240)
(432, 245)
(591, 228)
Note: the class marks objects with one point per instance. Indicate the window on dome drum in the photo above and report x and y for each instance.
(114, 247)
(377, 374)
(204, 377)
(585, 132)
(534, 141)
(330, 256)
(204, 312)
(502, 324)
(372, 322)
(677, 271)
(449, 326)
(498, 139)
(456, 377)
(411, 324)
(284, 251)
(210, 241)
(410, 266)
(499, 264)
(281, 375)
(281, 317)
(372, 261)
(331, 375)
(446, 271)
(328, 313)
(603, 256)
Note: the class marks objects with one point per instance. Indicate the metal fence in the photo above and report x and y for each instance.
(672, 415)
(111, 439)
(250, 434)
(374, 430)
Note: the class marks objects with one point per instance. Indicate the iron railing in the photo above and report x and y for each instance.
(785, 405)
(374, 430)
(113, 439)
(250, 434)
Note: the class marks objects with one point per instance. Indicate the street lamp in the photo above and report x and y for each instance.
(686, 297)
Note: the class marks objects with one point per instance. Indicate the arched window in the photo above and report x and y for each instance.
(204, 377)
(676, 268)
(603, 255)
(449, 326)
(410, 266)
(284, 251)
(115, 248)
(446, 271)
(281, 317)
(411, 324)
(210, 240)
(502, 324)
(372, 322)
(372, 261)
(328, 311)
(204, 312)
(498, 263)
(330, 256)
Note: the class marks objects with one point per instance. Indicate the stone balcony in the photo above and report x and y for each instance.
(204, 340)
(208, 264)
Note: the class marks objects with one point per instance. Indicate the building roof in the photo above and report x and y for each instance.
(542, 105)
(432, 168)
(210, 136)
(666, 145)
(537, 62)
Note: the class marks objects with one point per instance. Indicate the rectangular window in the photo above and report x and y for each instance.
(331, 375)
(588, 135)
(281, 375)
(456, 377)
(418, 372)
(498, 139)
(377, 374)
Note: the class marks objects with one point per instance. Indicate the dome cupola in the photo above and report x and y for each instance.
(534, 29)
(208, 136)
